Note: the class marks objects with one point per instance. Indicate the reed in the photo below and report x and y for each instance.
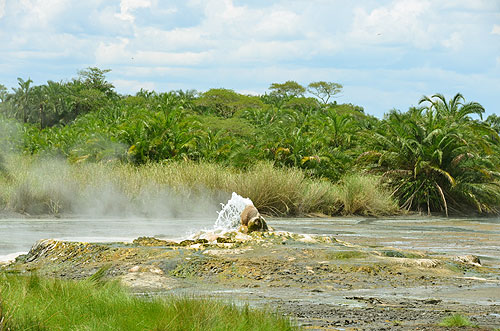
(47, 186)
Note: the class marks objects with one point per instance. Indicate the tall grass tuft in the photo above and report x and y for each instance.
(40, 186)
(364, 195)
(319, 196)
(274, 191)
(98, 276)
(32, 303)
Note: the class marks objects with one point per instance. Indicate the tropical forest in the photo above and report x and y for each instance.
(293, 150)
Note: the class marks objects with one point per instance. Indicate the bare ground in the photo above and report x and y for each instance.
(323, 283)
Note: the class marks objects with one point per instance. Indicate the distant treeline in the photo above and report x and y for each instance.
(439, 157)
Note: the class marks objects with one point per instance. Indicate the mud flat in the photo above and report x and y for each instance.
(324, 282)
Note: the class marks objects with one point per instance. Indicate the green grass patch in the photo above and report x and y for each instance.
(456, 320)
(34, 303)
(393, 254)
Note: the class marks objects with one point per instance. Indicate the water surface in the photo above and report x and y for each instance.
(434, 235)
(17, 235)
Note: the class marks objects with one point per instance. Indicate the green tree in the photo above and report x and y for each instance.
(22, 99)
(455, 110)
(224, 102)
(324, 90)
(89, 92)
(287, 90)
(95, 79)
(494, 121)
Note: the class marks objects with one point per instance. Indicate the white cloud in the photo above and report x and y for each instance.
(496, 29)
(279, 23)
(39, 14)
(478, 5)
(127, 6)
(224, 20)
(172, 59)
(228, 12)
(171, 40)
(2, 8)
(263, 51)
(230, 33)
(37, 55)
(121, 53)
(454, 42)
(369, 46)
(113, 52)
(401, 22)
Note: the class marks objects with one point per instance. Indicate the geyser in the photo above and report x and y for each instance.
(229, 216)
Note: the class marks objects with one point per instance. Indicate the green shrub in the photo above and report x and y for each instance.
(456, 320)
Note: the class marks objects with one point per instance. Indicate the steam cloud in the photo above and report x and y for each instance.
(51, 186)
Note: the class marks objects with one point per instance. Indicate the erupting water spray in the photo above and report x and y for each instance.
(229, 216)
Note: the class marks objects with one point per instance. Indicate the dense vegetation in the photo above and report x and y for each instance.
(34, 303)
(438, 157)
(40, 186)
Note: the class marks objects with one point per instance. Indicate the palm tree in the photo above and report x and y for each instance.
(456, 109)
(494, 121)
(22, 98)
(436, 158)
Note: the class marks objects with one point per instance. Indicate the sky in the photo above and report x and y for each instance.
(386, 54)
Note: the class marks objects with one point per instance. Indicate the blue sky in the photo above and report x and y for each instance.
(387, 54)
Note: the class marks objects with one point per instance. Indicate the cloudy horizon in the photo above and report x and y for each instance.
(387, 54)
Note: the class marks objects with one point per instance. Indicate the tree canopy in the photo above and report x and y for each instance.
(324, 90)
(288, 89)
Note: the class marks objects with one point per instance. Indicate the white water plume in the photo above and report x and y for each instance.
(229, 216)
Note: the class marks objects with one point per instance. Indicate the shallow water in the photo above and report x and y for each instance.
(17, 235)
(445, 236)
(434, 235)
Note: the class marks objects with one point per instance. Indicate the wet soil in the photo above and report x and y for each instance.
(323, 282)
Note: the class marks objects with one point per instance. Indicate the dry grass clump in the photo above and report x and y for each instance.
(319, 196)
(364, 195)
(274, 191)
(41, 186)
